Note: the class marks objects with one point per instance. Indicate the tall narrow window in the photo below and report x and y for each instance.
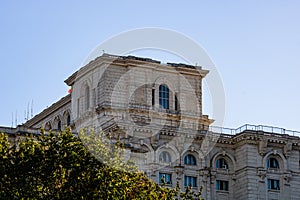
(87, 97)
(59, 125)
(68, 120)
(176, 103)
(153, 97)
(164, 97)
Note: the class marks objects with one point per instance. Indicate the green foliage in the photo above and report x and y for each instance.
(59, 166)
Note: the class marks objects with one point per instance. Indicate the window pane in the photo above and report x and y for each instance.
(190, 180)
(221, 163)
(164, 96)
(273, 184)
(166, 177)
(222, 185)
(164, 157)
(272, 163)
(189, 160)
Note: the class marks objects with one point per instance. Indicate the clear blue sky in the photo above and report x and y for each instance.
(255, 45)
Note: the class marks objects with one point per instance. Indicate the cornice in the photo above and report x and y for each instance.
(141, 62)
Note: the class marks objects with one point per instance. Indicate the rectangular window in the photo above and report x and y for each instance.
(190, 180)
(222, 185)
(166, 177)
(273, 184)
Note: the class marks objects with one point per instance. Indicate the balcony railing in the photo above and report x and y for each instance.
(249, 127)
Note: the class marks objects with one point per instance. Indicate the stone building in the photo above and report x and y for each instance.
(156, 110)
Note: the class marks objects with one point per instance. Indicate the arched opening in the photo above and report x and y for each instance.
(87, 97)
(48, 126)
(57, 124)
(221, 163)
(190, 160)
(164, 157)
(68, 120)
(272, 163)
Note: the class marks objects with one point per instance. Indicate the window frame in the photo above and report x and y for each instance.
(273, 163)
(273, 184)
(221, 163)
(167, 177)
(165, 157)
(190, 180)
(164, 97)
(222, 185)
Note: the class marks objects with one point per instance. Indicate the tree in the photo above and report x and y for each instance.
(58, 166)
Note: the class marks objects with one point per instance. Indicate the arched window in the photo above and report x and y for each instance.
(189, 160)
(164, 96)
(59, 125)
(68, 120)
(164, 157)
(48, 126)
(87, 97)
(272, 163)
(221, 163)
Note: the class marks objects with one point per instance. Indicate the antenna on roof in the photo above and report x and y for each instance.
(16, 119)
(103, 51)
(31, 110)
(27, 116)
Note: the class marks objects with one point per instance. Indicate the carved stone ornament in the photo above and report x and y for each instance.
(261, 172)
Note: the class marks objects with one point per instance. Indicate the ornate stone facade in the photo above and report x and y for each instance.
(156, 110)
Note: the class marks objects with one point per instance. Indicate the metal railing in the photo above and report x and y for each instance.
(214, 129)
(249, 127)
